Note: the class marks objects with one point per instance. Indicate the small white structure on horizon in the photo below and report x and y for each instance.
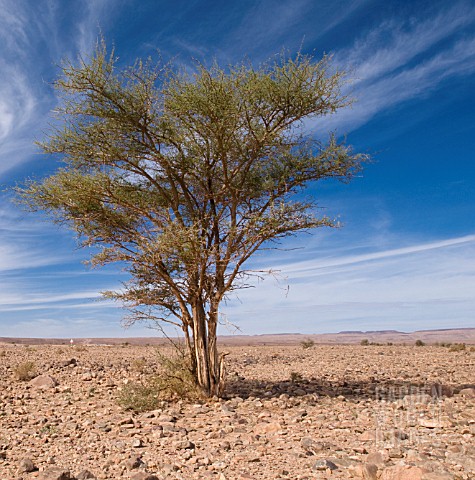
(71, 341)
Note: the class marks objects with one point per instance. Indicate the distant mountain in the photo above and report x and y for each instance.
(373, 332)
(455, 335)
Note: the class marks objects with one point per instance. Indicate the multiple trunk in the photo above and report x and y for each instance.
(207, 365)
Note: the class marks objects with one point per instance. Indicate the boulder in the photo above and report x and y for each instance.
(402, 472)
(467, 392)
(26, 466)
(56, 474)
(43, 382)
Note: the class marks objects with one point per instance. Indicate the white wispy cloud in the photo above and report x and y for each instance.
(302, 267)
(97, 15)
(373, 56)
(33, 41)
(24, 240)
(394, 63)
(270, 25)
(18, 99)
(12, 25)
(33, 300)
(422, 285)
(20, 257)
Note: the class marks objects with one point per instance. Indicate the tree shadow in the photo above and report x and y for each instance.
(351, 390)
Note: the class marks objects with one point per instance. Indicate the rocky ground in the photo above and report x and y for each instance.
(326, 412)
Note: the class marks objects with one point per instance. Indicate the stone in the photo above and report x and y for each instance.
(427, 423)
(267, 428)
(367, 471)
(55, 474)
(137, 443)
(417, 399)
(467, 392)
(43, 382)
(26, 465)
(225, 446)
(84, 475)
(368, 436)
(167, 419)
(400, 435)
(184, 445)
(67, 363)
(219, 465)
(324, 464)
(143, 476)
(312, 446)
(376, 458)
(438, 476)
(402, 472)
(134, 462)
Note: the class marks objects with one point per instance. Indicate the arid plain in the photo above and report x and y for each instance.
(377, 411)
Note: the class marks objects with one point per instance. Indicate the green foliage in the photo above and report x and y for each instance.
(307, 343)
(183, 178)
(25, 371)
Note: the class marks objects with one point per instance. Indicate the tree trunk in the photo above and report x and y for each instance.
(209, 365)
(189, 344)
(213, 350)
(200, 338)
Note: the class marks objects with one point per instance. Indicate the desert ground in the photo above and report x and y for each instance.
(389, 412)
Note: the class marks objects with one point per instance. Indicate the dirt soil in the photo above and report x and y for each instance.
(325, 412)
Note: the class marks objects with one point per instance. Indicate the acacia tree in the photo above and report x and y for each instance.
(182, 178)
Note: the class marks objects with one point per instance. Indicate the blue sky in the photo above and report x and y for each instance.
(405, 258)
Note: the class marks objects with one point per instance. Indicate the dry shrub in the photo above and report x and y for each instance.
(138, 365)
(296, 377)
(139, 397)
(457, 347)
(175, 381)
(3, 353)
(307, 343)
(25, 371)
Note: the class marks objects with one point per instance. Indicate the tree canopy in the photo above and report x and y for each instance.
(183, 177)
